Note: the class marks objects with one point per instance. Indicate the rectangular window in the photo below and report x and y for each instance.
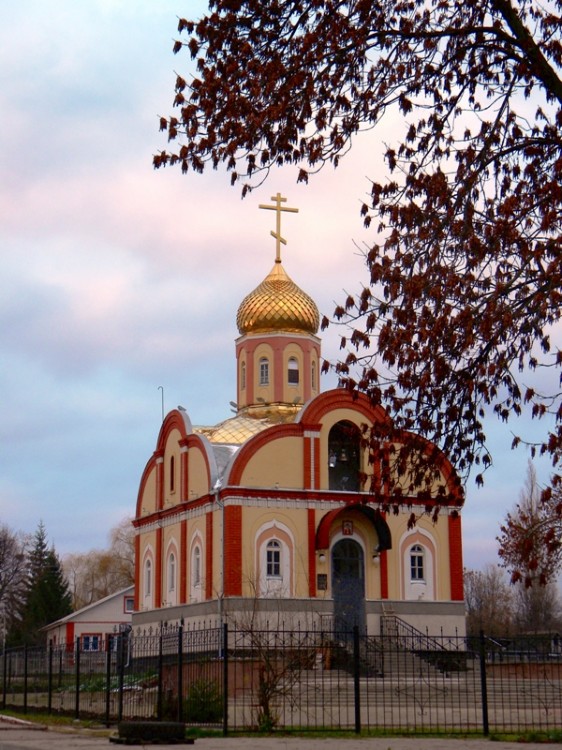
(293, 377)
(416, 566)
(91, 642)
(129, 604)
(264, 373)
(273, 562)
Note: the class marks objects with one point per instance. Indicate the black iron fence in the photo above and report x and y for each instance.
(247, 679)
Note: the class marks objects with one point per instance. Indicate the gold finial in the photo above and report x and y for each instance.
(277, 234)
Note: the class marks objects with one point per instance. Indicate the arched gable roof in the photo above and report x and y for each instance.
(338, 398)
(314, 411)
(178, 419)
(374, 516)
(235, 469)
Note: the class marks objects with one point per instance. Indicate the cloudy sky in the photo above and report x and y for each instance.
(119, 283)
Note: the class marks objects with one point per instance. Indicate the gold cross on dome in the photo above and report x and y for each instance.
(277, 234)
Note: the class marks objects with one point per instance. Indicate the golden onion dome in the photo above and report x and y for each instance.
(277, 304)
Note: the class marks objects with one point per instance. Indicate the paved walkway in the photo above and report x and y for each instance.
(23, 736)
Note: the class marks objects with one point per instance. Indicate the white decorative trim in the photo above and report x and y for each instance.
(269, 501)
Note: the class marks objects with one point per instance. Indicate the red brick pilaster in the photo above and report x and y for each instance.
(311, 552)
(183, 562)
(316, 453)
(209, 556)
(307, 459)
(384, 574)
(158, 572)
(455, 558)
(232, 564)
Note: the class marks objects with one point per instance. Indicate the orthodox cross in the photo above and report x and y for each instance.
(277, 234)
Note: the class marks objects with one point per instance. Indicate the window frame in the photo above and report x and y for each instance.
(172, 572)
(273, 559)
(417, 563)
(91, 642)
(264, 371)
(147, 577)
(293, 371)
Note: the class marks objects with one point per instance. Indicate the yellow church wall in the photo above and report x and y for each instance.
(404, 482)
(172, 484)
(403, 538)
(148, 496)
(242, 389)
(147, 549)
(293, 524)
(197, 471)
(293, 391)
(278, 463)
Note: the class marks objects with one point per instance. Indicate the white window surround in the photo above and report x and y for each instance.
(420, 544)
(196, 572)
(148, 574)
(274, 560)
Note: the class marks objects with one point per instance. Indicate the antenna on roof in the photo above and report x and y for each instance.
(161, 388)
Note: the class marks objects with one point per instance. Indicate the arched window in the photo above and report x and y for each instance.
(242, 376)
(148, 577)
(196, 570)
(273, 559)
(264, 371)
(172, 474)
(293, 372)
(344, 457)
(313, 376)
(172, 572)
(196, 566)
(417, 572)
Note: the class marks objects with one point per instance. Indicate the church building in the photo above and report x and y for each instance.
(284, 511)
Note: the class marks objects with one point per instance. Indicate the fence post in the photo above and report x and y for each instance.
(121, 660)
(356, 683)
(160, 670)
(484, 686)
(50, 680)
(4, 676)
(77, 686)
(180, 673)
(25, 679)
(109, 646)
(225, 679)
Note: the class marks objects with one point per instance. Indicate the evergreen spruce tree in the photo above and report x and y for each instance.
(47, 596)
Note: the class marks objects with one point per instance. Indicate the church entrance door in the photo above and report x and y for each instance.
(348, 585)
